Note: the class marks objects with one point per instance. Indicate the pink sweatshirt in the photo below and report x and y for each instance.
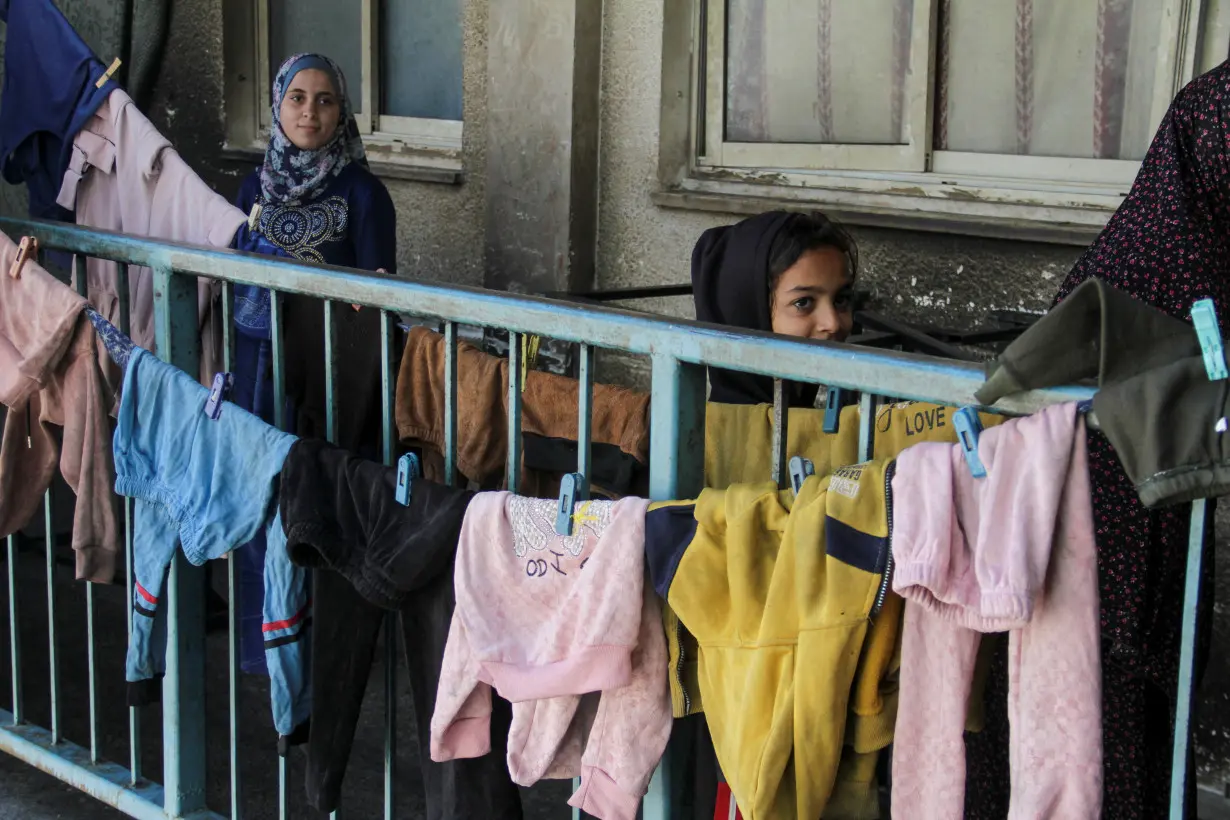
(545, 620)
(58, 399)
(125, 176)
(1012, 551)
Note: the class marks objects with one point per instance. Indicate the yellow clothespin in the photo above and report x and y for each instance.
(114, 67)
(27, 249)
(529, 356)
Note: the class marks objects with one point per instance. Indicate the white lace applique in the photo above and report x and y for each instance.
(533, 524)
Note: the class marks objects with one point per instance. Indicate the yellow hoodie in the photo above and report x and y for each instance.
(770, 584)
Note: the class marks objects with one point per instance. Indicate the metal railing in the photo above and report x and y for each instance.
(679, 352)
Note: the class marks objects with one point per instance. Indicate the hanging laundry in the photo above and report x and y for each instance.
(544, 619)
(1011, 551)
(371, 555)
(1098, 332)
(769, 584)
(50, 378)
(620, 431)
(210, 485)
(125, 176)
(50, 91)
(1156, 405)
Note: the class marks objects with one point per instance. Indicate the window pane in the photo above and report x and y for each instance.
(420, 53)
(817, 71)
(326, 27)
(1052, 78)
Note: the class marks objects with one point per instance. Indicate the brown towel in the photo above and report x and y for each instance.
(548, 409)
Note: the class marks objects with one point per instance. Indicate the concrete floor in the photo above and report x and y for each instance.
(28, 794)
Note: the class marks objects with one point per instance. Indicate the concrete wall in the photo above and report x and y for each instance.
(443, 229)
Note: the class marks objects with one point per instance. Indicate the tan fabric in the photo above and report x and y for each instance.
(548, 408)
(125, 176)
(50, 376)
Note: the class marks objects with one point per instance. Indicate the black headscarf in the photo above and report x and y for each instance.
(730, 286)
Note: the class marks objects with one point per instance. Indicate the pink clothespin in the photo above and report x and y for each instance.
(27, 249)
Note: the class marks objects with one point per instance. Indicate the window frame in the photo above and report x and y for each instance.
(417, 148)
(916, 116)
(1052, 199)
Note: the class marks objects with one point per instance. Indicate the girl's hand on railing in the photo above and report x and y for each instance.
(378, 270)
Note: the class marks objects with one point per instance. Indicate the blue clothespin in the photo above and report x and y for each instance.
(570, 487)
(832, 410)
(407, 471)
(800, 469)
(1204, 317)
(217, 394)
(969, 428)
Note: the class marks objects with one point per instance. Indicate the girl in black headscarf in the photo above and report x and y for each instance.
(788, 273)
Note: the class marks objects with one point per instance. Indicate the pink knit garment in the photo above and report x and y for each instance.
(550, 622)
(1013, 551)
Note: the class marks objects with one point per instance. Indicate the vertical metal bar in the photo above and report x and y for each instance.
(183, 688)
(450, 403)
(867, 406)
(781, 420)
(676, 470)
(15, 634)
(233, 590)
(389, 441)
(278, 351)
(585, 403)
(282, 799)
(585, 406)
(331, 364)
(79, 275)
(49, 537)
(515, 356)
(81, 280)
(92, 671)
(134, 714)
(125, 299)
(279, 367)
(331, 405)
(1179, 772)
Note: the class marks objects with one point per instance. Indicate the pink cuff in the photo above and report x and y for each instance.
(595, 669)
(463, 739)
(601, 797)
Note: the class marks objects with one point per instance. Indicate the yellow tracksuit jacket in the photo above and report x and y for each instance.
(780, 593)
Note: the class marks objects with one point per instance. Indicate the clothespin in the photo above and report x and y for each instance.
(571, 486)
(27, 249)
(969, 428)
(254, 217)
(1204, 317)
(407, 471)
(800, 469)
(832, 410)
(109, 73)
(217, 394)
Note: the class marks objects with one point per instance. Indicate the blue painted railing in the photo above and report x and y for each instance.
(679, 352)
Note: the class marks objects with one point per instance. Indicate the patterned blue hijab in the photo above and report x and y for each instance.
(291, 175)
